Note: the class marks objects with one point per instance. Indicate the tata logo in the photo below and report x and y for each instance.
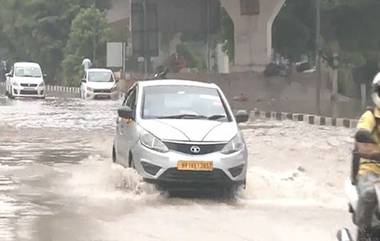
(195, 149)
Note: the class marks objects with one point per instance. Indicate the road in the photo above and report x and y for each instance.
(57, 182)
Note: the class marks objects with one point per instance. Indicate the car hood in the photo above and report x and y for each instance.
(101, 85)
(28, 80)
(191, 130)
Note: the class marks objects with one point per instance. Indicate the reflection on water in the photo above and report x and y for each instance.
(59, 113)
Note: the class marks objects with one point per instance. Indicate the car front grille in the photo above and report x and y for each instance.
(28, 92)
(214, 177)
(102, 91)
(195, 148)
(29, 85)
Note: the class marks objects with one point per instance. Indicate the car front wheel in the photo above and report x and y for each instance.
(114, 159)
(10, 94)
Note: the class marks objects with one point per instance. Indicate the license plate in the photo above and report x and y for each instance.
(205, 166)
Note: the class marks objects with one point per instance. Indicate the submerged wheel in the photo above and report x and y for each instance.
(131, 162)
(10, 95)
(114, 159)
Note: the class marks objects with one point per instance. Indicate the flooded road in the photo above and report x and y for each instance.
(57, 182)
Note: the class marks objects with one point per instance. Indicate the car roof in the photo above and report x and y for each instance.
(99, 70)
(148, 83)
(26, 64)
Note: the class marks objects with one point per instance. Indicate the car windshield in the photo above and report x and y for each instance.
(100, 77)
(28, 72)
(183, 102)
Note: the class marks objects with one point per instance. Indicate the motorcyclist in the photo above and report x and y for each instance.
(367, 172)
(161, 72)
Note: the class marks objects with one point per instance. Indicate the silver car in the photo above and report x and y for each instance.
(181, 135)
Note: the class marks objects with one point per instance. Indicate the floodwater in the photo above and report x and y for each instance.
(57, 182)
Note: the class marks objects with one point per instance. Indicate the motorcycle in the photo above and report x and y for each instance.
(161, 74)
(353, 197)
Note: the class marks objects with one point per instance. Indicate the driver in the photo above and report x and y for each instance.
(368, 170)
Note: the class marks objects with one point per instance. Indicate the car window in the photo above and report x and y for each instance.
(183, 101)
(98, 76)
(130, 100)
(28, 71)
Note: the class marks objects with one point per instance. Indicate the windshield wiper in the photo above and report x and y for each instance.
(183, 116)
(217, 117)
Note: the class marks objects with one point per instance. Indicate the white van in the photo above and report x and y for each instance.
(99, 84)
(25, 80)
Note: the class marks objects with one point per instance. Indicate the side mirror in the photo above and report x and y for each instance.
(125, 112)
(83, 81)
(242, 116)
(44, 75)
(8, 75)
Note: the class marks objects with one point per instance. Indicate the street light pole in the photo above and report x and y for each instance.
(146, 38)
(318, 56)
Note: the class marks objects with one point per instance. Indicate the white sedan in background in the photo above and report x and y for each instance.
(99, 84)
(25, 80)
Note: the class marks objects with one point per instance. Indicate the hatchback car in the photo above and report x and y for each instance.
(99, 84)
(181, 134)
(25, 80)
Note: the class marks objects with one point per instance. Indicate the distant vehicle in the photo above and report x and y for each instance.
(181, 135)
(25, 80)
(99, 84)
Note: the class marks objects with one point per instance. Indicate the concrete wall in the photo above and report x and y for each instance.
(295, 94)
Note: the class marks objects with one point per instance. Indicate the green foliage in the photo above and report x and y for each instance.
(38, 30)
(72, 70)
(193, 60)
(293, 29)
(88, 36)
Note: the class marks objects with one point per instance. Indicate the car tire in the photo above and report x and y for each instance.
(131, 162)
(10, 95)
(114, 157)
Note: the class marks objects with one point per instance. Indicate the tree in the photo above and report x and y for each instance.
(293, 29)
(88, 36)
(38, 30)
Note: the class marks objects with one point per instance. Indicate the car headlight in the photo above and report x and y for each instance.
(42, 84)
(90, 89)
(14, 83)
(235, 145)
(152, 142)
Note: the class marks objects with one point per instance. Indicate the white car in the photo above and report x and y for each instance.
(181, 135)
(25, 80)
(99, 84)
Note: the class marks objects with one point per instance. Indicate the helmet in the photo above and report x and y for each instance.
(376, 90)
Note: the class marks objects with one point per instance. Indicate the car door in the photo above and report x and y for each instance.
(126, 130)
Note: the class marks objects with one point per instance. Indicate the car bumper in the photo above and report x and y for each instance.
(161, 168)
(94, 96)
(37, 92)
